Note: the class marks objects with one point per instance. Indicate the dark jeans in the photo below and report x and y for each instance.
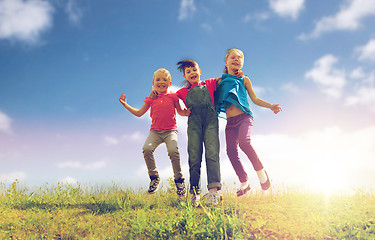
(203, 128)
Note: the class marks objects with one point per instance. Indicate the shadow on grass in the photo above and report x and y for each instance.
(96, 207)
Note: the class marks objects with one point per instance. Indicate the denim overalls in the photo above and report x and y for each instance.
(203, 127)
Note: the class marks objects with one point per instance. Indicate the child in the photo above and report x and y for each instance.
(163, 128)
(203, 127)
(231, 98)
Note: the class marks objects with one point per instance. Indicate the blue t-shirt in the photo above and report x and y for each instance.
(231, 90)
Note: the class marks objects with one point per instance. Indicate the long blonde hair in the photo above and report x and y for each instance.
(227, 55)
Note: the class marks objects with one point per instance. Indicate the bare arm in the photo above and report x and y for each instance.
(218, 80)
(180, 110)
(258, 101)
(134, 111)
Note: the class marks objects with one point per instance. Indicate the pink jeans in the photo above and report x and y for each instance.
(237, 132)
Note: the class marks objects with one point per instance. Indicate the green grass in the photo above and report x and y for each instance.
(81, 212)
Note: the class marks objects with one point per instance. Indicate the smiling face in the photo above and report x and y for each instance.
(234, 60)
(192, 74)
(161, 80)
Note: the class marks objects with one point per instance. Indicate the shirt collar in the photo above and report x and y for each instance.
(195, 84)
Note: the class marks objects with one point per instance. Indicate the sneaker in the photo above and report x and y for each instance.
(212, 198)
(267, 184)
(154, 184)
(243, 191)
(180, 186)
(195, 200)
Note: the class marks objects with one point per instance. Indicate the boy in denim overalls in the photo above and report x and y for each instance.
(203, 127)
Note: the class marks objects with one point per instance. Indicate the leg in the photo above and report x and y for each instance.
(212, 149)
(195, 149)
(173, 153)
(244, 140)
(152, 142)
(245, 128)
(231, 135)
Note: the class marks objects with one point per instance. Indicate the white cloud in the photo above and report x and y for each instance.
(257, 17)
(135, 137)
(79, 165)
(24, 20)
(187, 9)
(330, 80)
(290, 87)
(69, 181)
(5, 123)
(348, 18)
(96, 165)
(73, 11)
(367, 52)
(363, 92)
(319, 159)
(207, 27)
(357, 73)
(69, 164)
(259, 90)
(110, 141)
(363, 96)
(287, 8)
(173, 88)
(10, 177)
(328, 156)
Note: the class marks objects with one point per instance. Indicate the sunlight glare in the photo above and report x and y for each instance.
(329, 181)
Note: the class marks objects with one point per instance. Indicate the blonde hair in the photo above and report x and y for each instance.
(164, 71)
(227, 55)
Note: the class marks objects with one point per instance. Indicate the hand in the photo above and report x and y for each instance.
(187, 112)
(154, 94)
(275, 108)
(122, 98)
(239, 73)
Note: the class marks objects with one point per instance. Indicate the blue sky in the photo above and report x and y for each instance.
(64, 64)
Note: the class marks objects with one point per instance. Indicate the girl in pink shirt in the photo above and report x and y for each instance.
(163, 128)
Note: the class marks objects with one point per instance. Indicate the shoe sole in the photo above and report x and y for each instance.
(243, 191)
(265, 186)
(151, 193)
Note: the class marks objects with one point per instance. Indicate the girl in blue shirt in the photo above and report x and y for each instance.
(231, 99)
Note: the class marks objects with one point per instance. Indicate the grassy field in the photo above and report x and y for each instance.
(81, 212)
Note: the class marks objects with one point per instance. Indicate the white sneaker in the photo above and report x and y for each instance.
(212, 198)
(195, 200)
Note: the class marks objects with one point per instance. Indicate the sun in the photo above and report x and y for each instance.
(329, 181)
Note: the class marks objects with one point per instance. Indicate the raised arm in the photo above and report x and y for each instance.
(134, 111)
(258, 101)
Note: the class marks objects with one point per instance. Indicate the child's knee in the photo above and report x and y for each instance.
(173, 152)
(148, 148)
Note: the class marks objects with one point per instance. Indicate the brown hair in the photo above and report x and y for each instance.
(182, 65)
(227, 55)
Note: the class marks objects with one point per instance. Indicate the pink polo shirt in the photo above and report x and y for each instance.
(210, 84)
(163, 112)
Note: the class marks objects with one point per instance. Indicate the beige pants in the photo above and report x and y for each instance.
(154, 139)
